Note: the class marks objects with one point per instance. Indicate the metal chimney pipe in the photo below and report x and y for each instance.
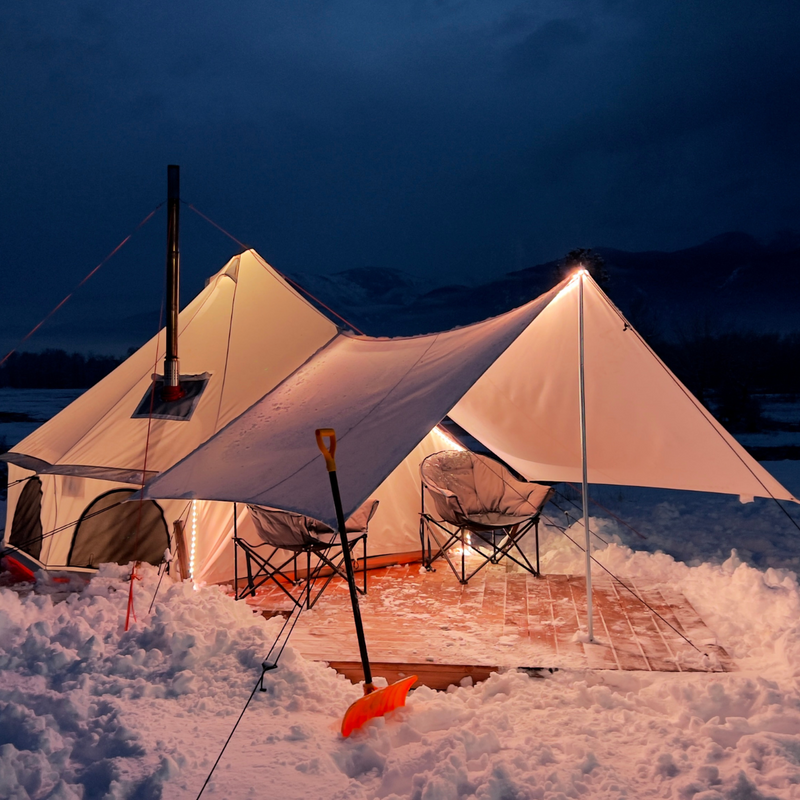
(172, 389)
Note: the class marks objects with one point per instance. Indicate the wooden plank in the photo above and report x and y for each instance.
(516, 608)
(435, 676)
(677, 610)
(541, 627)
(645, 628)
(565, 619)
(600, 653)
(429, 622)
(613, 630)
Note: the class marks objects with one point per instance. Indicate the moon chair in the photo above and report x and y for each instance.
(296, 535)
(477, 503)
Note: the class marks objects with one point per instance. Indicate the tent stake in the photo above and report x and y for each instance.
(585, 486)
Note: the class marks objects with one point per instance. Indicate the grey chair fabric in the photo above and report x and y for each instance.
(478, 492)
(474, 494)
(296, 532)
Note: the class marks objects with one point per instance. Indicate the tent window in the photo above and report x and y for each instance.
(26, 529)
(111, 530)
(180, 410)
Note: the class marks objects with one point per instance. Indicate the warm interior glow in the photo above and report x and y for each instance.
(447, 441)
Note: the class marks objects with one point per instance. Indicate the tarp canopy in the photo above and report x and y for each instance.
(511, 381)
(274, 369)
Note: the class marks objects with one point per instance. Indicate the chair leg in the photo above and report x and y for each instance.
(235, 570)
(251, 589)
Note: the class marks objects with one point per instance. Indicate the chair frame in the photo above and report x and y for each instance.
(260, 569)
(448, 537)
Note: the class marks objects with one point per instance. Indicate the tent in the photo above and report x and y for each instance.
(510, 381)
(240, 337)
(274, 369)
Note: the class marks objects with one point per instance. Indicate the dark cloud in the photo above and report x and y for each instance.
(450, 139)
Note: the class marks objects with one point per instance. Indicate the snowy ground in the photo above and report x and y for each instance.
(89, 711)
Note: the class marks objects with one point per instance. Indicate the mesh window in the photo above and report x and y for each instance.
(107, 532)
(26, 529)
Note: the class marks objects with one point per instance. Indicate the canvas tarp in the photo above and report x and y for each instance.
(511, 381)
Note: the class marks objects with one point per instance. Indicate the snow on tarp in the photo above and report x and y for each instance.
(513, 382)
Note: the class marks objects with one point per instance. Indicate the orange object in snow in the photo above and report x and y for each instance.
(375, 702)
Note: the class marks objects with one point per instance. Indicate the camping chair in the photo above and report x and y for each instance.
(477, 503)
(297, 534)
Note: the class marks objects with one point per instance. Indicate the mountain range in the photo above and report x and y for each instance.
(732, 282)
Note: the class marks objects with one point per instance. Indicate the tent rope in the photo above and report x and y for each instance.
(618, 580)
(603, 508)
(131, 609)
(266, 666)
(164, 563)
(566, 513)
(625, 586)
(288, 280)
(55, 531)
(227, 356)
(700, 407)
(88, 276)
(19, 480)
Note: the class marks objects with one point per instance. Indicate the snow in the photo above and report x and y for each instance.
(90, 711)
(38, 405)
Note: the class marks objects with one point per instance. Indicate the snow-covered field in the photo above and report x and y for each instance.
(89, 711)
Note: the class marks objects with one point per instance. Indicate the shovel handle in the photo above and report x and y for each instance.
(329, 450)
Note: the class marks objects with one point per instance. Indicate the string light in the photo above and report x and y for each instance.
(194, 539)
(451, 443)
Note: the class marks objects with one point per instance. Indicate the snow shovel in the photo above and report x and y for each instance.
(375, 702)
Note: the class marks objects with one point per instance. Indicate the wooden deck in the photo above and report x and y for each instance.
(426, 623)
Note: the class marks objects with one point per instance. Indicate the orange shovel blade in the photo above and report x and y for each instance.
(376, 704)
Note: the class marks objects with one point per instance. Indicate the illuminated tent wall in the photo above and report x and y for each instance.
(511, 381)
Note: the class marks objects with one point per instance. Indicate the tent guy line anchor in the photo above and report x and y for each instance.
(266, 666)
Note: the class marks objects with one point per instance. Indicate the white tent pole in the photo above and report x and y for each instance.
(585, 486)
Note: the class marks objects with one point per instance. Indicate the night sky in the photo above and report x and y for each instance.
(452, 140)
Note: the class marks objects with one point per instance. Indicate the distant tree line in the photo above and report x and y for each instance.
(55, 369)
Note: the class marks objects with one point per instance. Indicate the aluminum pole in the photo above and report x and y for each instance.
(585, 486)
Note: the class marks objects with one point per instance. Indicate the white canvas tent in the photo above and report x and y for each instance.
(246, 331)
(279, 370)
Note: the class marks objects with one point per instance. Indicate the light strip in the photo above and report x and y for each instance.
(194, 539)
(452, 443)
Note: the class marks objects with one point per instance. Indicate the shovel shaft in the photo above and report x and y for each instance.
(351, 580)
